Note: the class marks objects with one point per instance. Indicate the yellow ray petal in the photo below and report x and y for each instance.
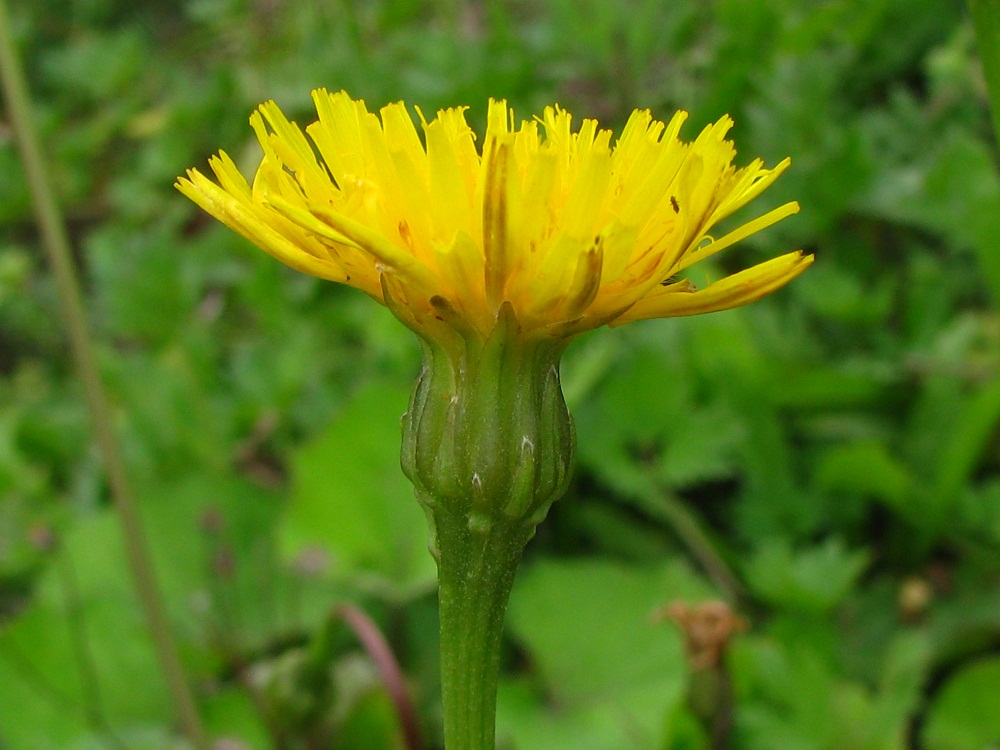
(229, 176)
(462, 269)
(741, 233)
(336, 227)
(252, 223)
(585, 284)
(448, 166)
(554, 224)
(739, 289)
(495, 222)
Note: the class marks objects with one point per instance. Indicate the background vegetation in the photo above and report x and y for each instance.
(826, 460)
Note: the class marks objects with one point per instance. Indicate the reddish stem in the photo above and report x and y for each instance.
(378, 649)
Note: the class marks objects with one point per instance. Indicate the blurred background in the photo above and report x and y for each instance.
(824, 461)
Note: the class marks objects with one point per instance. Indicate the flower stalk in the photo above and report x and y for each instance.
(476, 568)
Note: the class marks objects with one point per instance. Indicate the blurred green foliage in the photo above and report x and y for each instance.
(834, 448)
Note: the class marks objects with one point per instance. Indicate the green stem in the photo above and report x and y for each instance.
(56, 245)
(476, 567)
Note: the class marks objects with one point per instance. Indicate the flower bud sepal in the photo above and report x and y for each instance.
(487, 433)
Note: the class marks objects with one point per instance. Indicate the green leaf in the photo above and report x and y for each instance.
(141, 283)
(39, 689)
(864, 468)
(371, 724)
(792, 696)
(966, 714)
(811, 581)
(986, 20)
(959, 196)
(613, 671)
(351, 498)
(231, 713)
(44, 691)
(636, 720)
(82, 646)
(644, 427)
(964, 449)
(980, 512)
(134, 738)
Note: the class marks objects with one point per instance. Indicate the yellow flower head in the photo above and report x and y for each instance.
(569, 230)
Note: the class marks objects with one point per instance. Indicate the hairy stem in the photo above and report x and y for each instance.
(476, 568)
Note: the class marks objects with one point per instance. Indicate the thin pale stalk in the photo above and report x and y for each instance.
(57, 248)
(668, 508)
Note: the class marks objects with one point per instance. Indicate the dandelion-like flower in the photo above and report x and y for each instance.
(572, 231)
(496, 256)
